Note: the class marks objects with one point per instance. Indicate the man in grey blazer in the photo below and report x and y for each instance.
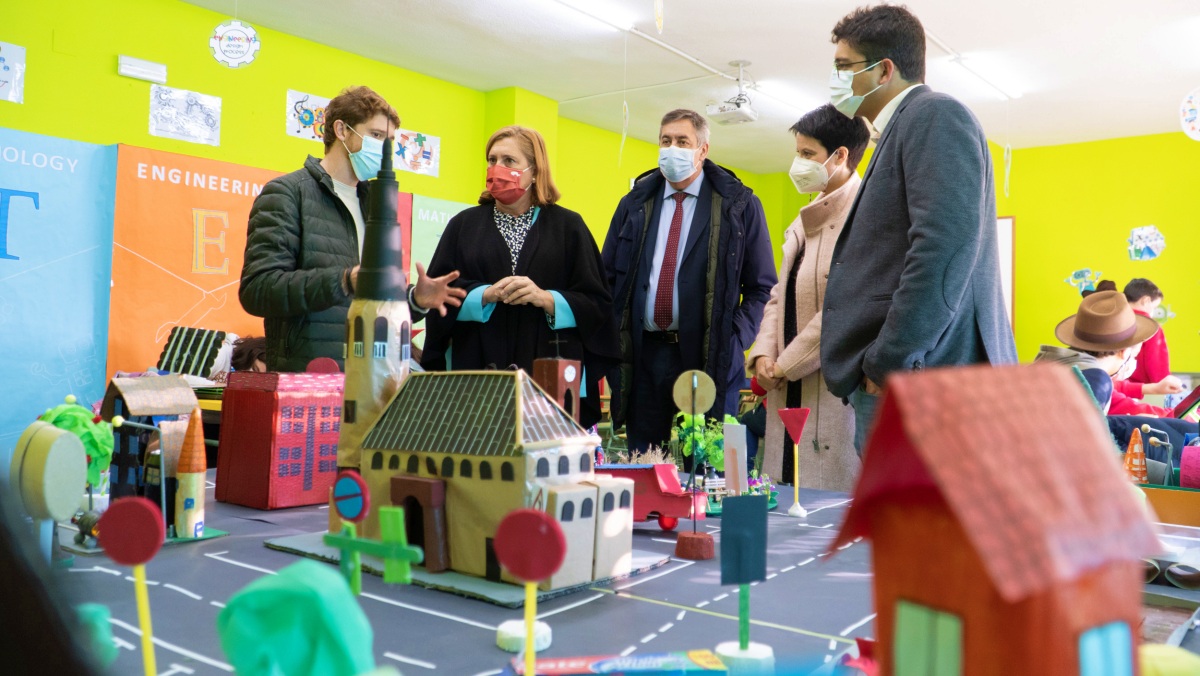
(915, 280)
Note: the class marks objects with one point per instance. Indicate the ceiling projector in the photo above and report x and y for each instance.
(731, 112)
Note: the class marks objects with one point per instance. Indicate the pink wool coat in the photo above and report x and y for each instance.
(827, 457)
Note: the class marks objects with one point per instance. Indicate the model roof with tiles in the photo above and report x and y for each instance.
(149, 395)
(1022, 461)
(471, 413)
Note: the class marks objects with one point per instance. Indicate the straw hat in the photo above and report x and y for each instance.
(1105, 322)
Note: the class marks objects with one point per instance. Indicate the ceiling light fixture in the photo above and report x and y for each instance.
(959, 59)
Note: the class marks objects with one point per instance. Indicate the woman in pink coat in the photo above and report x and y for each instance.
(786, 357)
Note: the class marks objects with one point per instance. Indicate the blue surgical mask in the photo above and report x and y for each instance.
(841, 90)
(368, 159)
(677, 164)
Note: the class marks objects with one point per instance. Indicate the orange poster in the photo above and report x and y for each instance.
(179, 238)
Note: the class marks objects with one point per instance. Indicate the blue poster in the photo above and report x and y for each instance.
(56, 239)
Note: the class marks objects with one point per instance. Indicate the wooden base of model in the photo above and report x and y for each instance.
(694, 547)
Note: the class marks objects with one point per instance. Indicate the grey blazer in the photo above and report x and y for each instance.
(915, 280)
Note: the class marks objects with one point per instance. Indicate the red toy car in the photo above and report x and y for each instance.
(658, 494)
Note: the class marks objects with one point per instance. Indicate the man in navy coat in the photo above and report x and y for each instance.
(915, 280)
(690, 265)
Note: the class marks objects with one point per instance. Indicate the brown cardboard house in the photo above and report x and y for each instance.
(150, 400)
(1005, 537)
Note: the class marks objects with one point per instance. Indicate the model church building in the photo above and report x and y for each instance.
(460, 450)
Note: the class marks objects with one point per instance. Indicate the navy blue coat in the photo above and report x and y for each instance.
(725, 277)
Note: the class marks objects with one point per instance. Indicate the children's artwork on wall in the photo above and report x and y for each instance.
(306, 115)
(12, 73)
(234, 43)
(417, 152)
(1146, 243)
(185, 116)
(1189, 114)
(1084, 279)
(56, 220)
(177, 251)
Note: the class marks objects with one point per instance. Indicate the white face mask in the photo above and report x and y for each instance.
(809, 175)
(677, 164)
(1126, 369)
(841, 90)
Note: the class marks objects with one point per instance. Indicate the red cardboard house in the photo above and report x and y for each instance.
(279, 435)
(1005, 537)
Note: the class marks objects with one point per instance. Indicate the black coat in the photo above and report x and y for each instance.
(301, 241)
(559, 254)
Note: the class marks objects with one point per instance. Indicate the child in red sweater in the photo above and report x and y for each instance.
(1152, 375)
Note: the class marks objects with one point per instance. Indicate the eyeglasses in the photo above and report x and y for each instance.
(846, 66)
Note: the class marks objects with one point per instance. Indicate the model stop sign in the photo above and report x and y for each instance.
(351, 498)
(530, 544)
(131, 531)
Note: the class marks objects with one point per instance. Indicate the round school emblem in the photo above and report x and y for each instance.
(234, 43)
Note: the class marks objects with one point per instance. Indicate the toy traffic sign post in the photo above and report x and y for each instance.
(531, 545)
(48, 470)
(793, 420)
(694, 393)
(743, 561)
(352, 501)
(131, 533)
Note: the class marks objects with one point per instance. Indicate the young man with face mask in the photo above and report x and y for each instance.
(305, 236)
(786, 357)
(689, 262)
(915, 280)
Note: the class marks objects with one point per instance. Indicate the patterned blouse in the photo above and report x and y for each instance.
(515, 229)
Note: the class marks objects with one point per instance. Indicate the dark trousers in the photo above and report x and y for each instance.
(651, 405)
(1170, 430)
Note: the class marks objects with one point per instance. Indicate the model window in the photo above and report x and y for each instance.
(380, 338)
(1106, 650)
(448, 467)
(543, 467)
(608, 502)
(585, 463)
(506, 472)
(414, 464)
(431, 466)
(585, 509)
(349, 412)
(626, 499)
(485, 470)
(568, 511)
(377, 461)
(564, 465)
(358, 336)
(929, 642)
(394, 462)
(405, 342)
(464, 469)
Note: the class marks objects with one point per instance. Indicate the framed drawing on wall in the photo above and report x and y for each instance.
(1006, 227)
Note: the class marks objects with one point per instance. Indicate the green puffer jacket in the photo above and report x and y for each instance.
(300, 242)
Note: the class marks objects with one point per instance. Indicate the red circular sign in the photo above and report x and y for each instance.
(351, 498)
(530, 544)
(131, 531)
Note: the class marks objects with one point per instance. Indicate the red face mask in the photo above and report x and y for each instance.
(504, 183)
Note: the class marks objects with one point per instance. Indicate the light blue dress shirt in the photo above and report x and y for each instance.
(660, 247)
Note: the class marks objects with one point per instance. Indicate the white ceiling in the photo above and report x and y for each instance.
(1082, 69)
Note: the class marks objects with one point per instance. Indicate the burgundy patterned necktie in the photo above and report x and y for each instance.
(663, 300)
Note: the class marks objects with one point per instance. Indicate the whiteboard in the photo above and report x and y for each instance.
(1005, 227)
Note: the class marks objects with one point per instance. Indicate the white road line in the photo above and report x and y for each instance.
(836, 504)
(856, 625)
(712, 529)
(218, 557)
(833, 644)
(493, 672)
(122, 643)
(651, 577)
(626, 652)
(445, 616)
(754, 584)
(183, 591)
(772, 576)
(679, 617)
(805, 562)
(569, 607)
(806, 525)
(648, 638)
(207, 484)
(848, 545)
(177, 669)
(174, 648)
(666, 627)
(94, 569)
(152, 583)
(216, 603)
(670, 542)
(409, 660)
(787, 569)
(719, 597)
(702, 604)
(327, 507)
